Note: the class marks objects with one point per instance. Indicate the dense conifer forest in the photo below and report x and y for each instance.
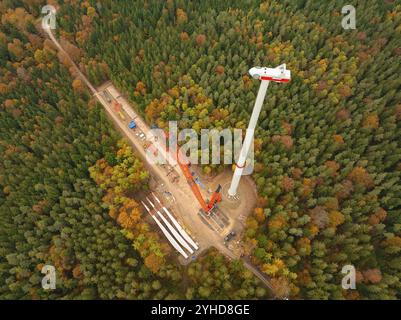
(65, 181)
(328, 145)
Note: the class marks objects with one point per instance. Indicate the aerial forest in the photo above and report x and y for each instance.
(327, 146)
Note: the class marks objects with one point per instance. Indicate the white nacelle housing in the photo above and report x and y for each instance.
(279, 74)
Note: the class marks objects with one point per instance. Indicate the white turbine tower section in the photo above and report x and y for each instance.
(279, 74)
(171, 229)
(167, 234)
(184, 234)
(232, 191)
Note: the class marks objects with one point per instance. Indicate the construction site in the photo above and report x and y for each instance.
(182, 202)
(192, 211)
(188, 207)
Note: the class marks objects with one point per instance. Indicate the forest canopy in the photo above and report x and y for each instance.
(328, 161)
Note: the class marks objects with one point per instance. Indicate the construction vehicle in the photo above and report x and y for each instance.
(121, 115)
(107, 96)
(129, 111)
(112, 92)
(183, 162)
(116, 106)
(231, 235)
(200, 184)
(132, 124)
(207, 207)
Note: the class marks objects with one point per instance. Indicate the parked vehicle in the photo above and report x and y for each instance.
(121, 115)
(107, 96)
(116, 106)
(230, 236)
(132, 124)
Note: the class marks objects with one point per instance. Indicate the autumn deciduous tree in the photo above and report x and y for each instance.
(343, 114)
(281, 287)
(372, 275)
(371, 121)
(277, 222)
(200, 39)
(153, 262)
(344, 91)
(78, 86)
(319, 217)
(219, 69)
(398, 112)
(333, 130)
(259, 215)
(287, 183)
(124, 219)
(181, 16)
(360, 176)
(184, 36)
(296, 173)
(73, 51)
(345, 189)
(337, 138)
(140, 88)
(16, 49)
(336, 218)
(377, 217)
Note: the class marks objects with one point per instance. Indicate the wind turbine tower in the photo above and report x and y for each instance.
(265, 75)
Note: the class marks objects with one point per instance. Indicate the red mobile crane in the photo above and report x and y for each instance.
(216, 197)
(184, 164)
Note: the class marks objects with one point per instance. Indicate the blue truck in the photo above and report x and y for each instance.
(132, 124)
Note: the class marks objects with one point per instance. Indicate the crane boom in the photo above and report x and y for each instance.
(216, 197)
(184, 165)
(194, 187)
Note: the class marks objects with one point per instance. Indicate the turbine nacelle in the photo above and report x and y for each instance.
(279, 74)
